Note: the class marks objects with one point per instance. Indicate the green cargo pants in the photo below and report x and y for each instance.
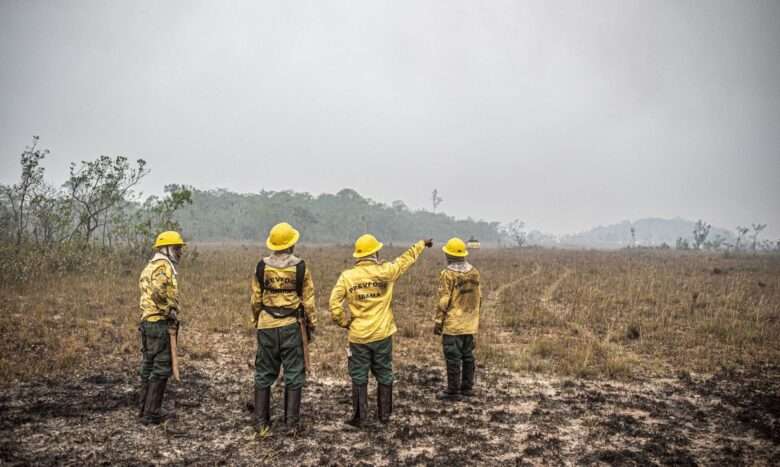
(279, 347)
(458, 349)
(156, 350)
(376, 356)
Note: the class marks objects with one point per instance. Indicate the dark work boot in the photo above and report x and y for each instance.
(154, 399)
(452, 393)
(384, 402)
(292, 410)
(142, 397)
(467, 381)
(359, 405)
(262, 409)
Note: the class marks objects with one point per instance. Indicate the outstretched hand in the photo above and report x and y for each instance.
(437, 329)
(428, 243)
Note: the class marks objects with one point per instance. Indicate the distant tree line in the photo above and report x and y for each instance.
(700, 239)
(219, 214)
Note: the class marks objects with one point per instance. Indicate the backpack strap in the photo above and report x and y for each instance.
(300, 272)
(260, 275)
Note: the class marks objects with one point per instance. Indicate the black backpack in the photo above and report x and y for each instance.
(276, 312)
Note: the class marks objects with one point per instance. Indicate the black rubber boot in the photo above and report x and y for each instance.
(384, 402)
(359, 405)
(452, 393)
(154, 399)
(467, 381)
(142, 397)
(262, 409)
(292, 410)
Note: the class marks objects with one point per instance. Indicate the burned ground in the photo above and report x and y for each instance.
(584, 358)
(725, 419)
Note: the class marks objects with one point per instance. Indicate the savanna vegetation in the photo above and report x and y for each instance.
(637, 356)
(657, 356)
(590, 314)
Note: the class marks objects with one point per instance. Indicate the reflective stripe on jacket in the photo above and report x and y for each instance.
(280, 274)
(159, 289)
(460, 299)
(368, 290)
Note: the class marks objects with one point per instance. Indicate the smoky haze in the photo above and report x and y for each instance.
(564, 114)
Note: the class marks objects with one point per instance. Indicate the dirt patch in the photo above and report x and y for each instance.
(729, 418)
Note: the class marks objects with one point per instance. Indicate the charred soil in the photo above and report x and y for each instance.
(730, 418)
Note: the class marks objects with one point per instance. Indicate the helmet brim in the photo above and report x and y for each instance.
(370, 252)
(454, 253)
(169, 238)
(284, 246)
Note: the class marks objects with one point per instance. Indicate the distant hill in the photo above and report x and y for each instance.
(649, 232)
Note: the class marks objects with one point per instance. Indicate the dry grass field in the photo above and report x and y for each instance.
(632, 357)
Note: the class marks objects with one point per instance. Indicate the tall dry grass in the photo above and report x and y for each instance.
(577, 313)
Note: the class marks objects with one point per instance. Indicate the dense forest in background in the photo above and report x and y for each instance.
(221, 215)
(218, 215)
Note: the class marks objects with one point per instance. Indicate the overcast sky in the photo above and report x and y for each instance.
(564, 114)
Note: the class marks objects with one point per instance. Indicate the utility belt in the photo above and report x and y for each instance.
(164, 317)
(299, 313)
(280, 313)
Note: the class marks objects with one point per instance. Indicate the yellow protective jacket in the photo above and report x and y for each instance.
(159, 289)
(368, 290)
(280, 274)
(460, 299)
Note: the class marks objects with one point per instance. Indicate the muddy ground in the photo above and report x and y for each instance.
(731, 418)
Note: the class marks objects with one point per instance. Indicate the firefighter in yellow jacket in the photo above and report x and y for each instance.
(282, 299)
(368, 290)
(457, 318)
(159, 307)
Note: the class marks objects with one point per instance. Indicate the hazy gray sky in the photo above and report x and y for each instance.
(564, 114)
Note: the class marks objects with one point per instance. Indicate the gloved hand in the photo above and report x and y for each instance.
(428, 243)
(438, 328)
(173, 321)
(311, 330)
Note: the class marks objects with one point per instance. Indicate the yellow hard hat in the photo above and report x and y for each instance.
(281, 237)
(366, 245)
(455, 247)
(169, 238)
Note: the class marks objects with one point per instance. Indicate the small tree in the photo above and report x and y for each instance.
(436, 200)
(50, 216)
(682, 244)
(20, 194)
(716, 243)
(96, 187)
(757, 228)
(155, 215)
(700, 232)
(515, 230)
(741, 232)
(633, 236)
